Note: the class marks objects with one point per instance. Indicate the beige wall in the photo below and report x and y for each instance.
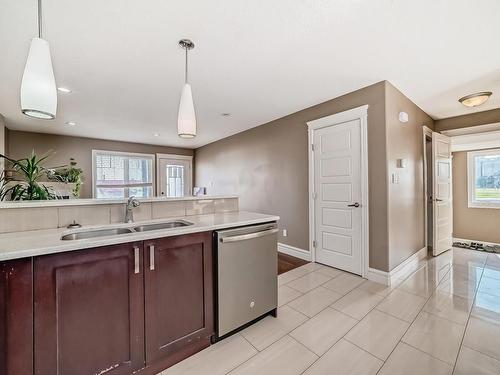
(473, 119)
(20, 144)
(406, 221)
(267, 167)
(480, 224)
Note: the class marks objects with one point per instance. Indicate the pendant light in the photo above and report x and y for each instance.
(38, 87)
(186, 120)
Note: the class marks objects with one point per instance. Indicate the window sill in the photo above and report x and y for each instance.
(484, 205)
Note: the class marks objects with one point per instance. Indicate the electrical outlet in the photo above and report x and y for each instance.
(285, 233)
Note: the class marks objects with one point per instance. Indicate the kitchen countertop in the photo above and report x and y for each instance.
(17, 245)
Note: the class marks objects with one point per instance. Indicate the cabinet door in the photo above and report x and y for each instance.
(16, 317)
(89, 311)
(178, 293)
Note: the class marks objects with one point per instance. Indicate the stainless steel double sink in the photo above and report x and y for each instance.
(93, 233)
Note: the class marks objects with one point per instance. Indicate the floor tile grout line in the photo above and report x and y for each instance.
(410, 324)
(421, 351)
(477, 351)
(253, 346)
(468, 319)
(287, 334)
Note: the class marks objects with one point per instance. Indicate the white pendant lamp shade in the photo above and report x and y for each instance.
(38, 87)
(186, 121)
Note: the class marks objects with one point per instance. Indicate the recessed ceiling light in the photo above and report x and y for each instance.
(474, 100)
(225, 114)
(64, 90)
(71, 123)
(156, 134)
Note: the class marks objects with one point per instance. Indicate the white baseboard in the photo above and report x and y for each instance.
(409, 266)
(294, 251)
(469, 241)
(377, 276)
(402, 271)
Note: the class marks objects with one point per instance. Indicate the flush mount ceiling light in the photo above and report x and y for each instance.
(38, 86)
(186, 120)
(71, 123)
(474, 100)
(156, 134)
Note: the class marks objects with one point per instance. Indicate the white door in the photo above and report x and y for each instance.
(174, 177)
(442, 194)
(337, 191)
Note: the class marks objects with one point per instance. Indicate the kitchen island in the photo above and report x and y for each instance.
(137, 301)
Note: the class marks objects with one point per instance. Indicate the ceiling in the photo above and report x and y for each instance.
(258, 60)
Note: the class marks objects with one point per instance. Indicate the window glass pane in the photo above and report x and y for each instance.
(175, 181)
(110, 169)
(487, 177)
(140, 170)
(116, 175)
(140, 191)
(104, 192)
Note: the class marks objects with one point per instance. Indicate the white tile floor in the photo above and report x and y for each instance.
(443, 319)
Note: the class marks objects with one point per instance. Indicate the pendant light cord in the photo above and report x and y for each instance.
(40, 19)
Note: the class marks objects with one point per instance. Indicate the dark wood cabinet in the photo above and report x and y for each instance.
(89, 311)
(116, 310)
(16, 317)
(178, 294)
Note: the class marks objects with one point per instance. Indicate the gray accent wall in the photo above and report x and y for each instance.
(267, 167)
(406, 215)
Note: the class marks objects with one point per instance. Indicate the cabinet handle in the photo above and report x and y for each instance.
(136, 259)
(152, 257)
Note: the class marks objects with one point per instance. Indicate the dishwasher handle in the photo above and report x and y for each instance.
(248, 236)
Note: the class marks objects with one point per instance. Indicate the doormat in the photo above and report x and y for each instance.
(478, 246)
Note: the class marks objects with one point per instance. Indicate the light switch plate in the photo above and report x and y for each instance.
(395, 178)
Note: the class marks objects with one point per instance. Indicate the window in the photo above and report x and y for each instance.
(174, 175)
(483, 170)
(122, 175)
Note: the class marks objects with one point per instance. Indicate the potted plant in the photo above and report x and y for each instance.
(70, 175)
(30, 170)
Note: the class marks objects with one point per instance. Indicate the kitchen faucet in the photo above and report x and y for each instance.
(129, 214)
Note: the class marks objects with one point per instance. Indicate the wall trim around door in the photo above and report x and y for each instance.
(157, 172)
(294, 251)
(426, 132)
(358, 113)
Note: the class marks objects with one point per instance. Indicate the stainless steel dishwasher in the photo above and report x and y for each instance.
(247, 282)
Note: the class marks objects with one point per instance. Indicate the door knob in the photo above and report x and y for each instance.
(438, 200)
(353, 205)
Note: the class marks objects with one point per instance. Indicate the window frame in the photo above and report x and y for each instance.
(471, 179)
(122, 153)
(188, 158)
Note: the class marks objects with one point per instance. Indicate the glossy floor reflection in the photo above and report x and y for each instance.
(442, 319)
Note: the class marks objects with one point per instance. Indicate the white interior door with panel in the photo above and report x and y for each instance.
(338, 202)
(174, 175)
(442, 194)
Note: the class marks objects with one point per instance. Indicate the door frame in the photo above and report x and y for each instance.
(361, 114)
(188, 158)
(426, 132)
